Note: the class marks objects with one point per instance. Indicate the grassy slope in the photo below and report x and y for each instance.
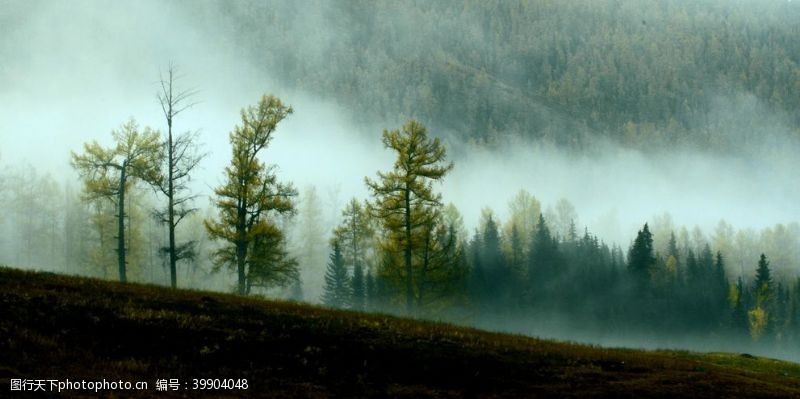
(66, 327)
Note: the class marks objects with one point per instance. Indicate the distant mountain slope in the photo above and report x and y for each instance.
(57, 327)
(709, 74)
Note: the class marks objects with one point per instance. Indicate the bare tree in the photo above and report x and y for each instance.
(181, 156)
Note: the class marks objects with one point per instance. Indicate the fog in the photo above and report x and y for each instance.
(70, 72)
(73, 71)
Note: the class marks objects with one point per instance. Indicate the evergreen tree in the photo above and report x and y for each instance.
(495, 273)
(515, 258)
(641, 259)
(338, 291)
(674, 258)
(763, 285)
(491, 254)
(542, 262)
(355, 236)
(442, 271)
(794, 313)
(741, 304)
(720, 284)
(693, 271)
(762, 315)
(477, 282)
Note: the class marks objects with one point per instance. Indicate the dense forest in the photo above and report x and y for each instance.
(716, 75)
(652, 76)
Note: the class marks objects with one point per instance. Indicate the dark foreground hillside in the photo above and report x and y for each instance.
(56, 327)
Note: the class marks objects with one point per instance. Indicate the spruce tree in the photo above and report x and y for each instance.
(720, 283)
(337, 288)
(492, 256)
(542, 261)
(763, 285)
(640, 257)
(741, 303)
(355, 237)
(762, 315)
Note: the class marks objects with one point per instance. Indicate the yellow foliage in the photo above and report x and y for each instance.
(733, 295)
(757, 318)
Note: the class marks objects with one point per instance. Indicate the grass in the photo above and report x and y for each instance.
(60, 327)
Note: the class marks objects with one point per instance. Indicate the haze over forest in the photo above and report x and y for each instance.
(609, 114)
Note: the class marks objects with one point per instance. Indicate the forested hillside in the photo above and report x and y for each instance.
(614, 173)
(716, 74)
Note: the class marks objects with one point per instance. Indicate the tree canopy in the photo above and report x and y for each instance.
(250, 196)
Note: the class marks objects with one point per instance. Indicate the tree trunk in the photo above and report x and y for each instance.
(424, 270)
(407, 253)
(241, 248)
(121, 224)
(241, 253)
(173, 257)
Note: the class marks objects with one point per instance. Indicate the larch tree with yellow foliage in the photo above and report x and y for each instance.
(246, 201)
(109, 172)
(405, 201)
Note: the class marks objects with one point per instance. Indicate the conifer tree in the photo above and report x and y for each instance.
(442, 271)
(355, 235)
(693, 273)
(250, 195)
(404, 197)
(794, 312)
(269, 263)
(338, 291)
(492, 257)
(763, 282)
(741, 304)
(109, 172)
(640, 257)
(720, 284)
(542, 261)
(762, 315)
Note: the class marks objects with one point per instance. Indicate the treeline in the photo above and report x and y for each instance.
(715, 75)
(422, 263)
(531, 273)
(402, 250)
